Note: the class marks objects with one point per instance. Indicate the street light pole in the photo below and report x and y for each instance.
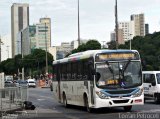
(78, 26)
(0, 47)
(116, 23)
(22, 54)
(130, 43)
(8, 50)
(103, 43)
(46, 52)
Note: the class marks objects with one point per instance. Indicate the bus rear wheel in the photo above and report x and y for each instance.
(127, 108)
(65, 100)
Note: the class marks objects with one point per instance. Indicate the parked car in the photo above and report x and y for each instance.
(151, 84)
(21, 82)
(9, 84)
(31, 83)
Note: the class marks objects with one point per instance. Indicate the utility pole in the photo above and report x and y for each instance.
(46, 51)
(7, 50)
(22, 54)
(1, 43)
(116, 23)
(130, 44)
(103, 43)
(78, 26)
(0, 48)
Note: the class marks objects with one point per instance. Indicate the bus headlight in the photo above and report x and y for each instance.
(139, 93)
(102, 95)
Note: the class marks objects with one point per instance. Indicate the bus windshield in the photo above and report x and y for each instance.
(124, 74)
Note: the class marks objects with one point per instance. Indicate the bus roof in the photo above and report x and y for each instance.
(88, 54)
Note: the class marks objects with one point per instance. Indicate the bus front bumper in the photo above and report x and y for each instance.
(118, 102)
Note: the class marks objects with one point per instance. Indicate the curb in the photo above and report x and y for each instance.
(9, 111)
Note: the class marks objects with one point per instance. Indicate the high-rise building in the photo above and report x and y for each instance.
(74, 44)
(40, 34)
(32, 36)
(47, 23)
(19, 21)
(112, 36)
(146, 29)
(24, 42)
(125, 26)
(137, 25)
(120, 36)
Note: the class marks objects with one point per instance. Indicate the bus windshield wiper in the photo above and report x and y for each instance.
(126, 65)
(110, 69)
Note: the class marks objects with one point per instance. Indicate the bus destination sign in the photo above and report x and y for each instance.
(115, 56)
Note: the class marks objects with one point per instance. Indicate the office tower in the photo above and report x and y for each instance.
(32, 36)
(120, 36)
(24, 46)
(125, 26)
(19, 21)
(44, 28)
(137, 25)
(146, 29)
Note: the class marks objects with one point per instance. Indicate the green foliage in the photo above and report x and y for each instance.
(149, 49)
(90, 45)
(34, 62)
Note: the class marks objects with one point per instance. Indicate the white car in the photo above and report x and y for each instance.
(31, 83)
(151, 84)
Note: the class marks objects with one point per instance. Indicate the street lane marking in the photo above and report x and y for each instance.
(40, 99)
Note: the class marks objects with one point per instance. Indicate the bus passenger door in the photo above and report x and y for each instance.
(56, 82)
(59, 84)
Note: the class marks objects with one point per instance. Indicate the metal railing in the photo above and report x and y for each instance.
(13, 97)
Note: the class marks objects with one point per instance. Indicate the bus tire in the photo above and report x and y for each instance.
(86, 103)
(157, 99)
(65, 100)
(127, 108)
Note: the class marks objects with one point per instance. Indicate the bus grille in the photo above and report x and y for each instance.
(127, 91)
(120, 101)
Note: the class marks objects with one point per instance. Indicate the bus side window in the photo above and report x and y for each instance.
(63, 72)
(85, 70)
(90, 70)
(58, 72)
(74, 71)
(54, 72)
(79, 72)
(69, 71)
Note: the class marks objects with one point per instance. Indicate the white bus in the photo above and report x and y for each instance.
(99, 78)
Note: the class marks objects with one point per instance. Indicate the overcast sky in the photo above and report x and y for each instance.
(96, 17)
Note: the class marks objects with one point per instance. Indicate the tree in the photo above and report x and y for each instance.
(90, 45)
(148, 48)
(32, 63)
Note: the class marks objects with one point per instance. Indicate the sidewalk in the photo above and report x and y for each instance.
(38, 113)
(7, 107)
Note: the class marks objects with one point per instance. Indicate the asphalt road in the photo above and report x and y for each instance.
(47, 107)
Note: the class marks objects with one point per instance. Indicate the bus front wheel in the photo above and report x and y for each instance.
(65, 100)
(127, 108)
(86, 103)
